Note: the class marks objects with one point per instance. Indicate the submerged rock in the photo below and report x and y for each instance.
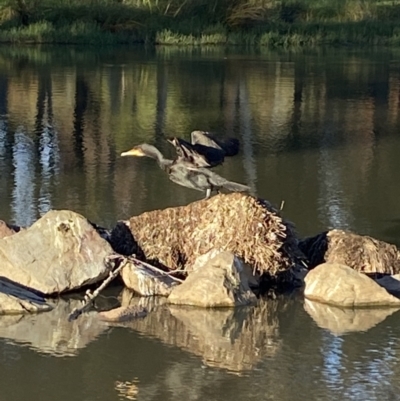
(221, 282)
(15, 299)
(341, 285)
(61, 251)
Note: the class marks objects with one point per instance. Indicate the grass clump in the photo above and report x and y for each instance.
(201, 22)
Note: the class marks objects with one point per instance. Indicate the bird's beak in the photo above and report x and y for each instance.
(134, 152)
(171, 140)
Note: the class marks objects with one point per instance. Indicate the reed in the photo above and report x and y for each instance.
(201, 22)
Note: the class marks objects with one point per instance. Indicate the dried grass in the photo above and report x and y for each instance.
(248, 227)
(361, 253)
(246, 13)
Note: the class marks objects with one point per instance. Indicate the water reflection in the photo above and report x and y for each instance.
(51, 332)
(345, 320)
(24, 201)
(235, 340)
(319, 130)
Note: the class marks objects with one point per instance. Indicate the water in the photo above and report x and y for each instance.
(319, 130)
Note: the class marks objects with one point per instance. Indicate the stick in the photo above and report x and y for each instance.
(139, 263)
(89, 296)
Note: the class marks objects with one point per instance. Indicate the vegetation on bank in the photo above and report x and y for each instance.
(197, 22)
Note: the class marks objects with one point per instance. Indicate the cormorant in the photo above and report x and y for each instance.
(204, 150)
(185, 173)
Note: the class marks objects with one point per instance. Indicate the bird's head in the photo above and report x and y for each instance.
(138, 151)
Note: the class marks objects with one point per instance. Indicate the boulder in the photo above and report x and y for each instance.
(146, 282)
(220, 283)
(341, 285)
(15, 299)
(345, 320)
(253, 277)
(60, 252)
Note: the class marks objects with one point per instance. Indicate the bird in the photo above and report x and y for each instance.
(204, 150)
(185, 173)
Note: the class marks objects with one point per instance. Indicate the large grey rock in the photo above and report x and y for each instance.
(146, 282)
(341, 285)
(15, 299)
(59, 252)
(221, 282)
(345, 320)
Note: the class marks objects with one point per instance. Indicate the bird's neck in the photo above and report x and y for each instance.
(154, 153)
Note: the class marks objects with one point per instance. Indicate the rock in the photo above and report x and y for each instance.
(345, 320)
(51, 332)
(15, 299)
(390, 283)
(123, 314)
(221, 282)
(59, 252)
(248, 227)
(299, 273)
(253, 277)
(144, 281)
(360, 252)
(341, 285)
(6, 230)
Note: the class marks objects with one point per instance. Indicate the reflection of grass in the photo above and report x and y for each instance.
(179, 22)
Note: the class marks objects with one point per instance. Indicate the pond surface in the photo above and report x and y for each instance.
(319, 130)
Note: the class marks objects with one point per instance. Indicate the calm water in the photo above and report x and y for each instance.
(320, 130)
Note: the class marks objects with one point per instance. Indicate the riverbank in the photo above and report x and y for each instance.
(262, 22)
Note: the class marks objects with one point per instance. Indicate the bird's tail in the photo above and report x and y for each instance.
(235, 187)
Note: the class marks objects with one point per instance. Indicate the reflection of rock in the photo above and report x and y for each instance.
(225, 339)
(139, 278)
(343, 320)
(221, 282)
(17, 299)
(61, 251)
(234, 339)
(51, 332)
(341, 285)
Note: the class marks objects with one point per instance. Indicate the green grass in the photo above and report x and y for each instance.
(202, 22)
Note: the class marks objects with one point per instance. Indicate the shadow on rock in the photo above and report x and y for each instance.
(345, 320)
(50, 332)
